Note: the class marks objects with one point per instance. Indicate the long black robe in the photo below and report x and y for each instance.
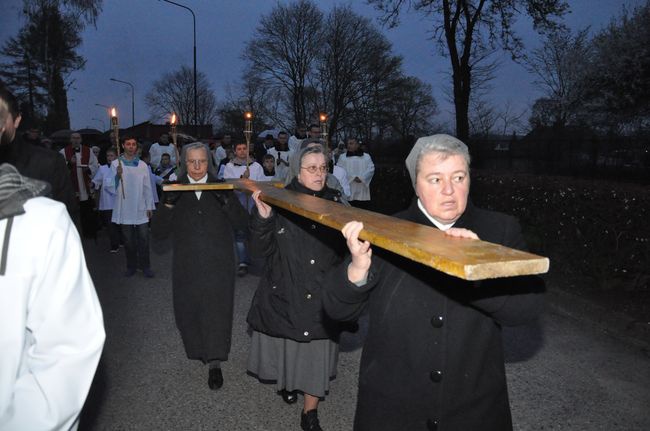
(203, 266)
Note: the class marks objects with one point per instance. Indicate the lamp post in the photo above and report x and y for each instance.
(102, 122)
(196, 115)
(132, 99)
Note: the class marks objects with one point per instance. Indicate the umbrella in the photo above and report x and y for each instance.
(272, 132)
(87, 132)
(61, 134)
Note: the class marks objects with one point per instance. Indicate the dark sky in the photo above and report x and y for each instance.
(139, 40)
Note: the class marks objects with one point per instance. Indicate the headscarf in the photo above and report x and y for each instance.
(445, 144)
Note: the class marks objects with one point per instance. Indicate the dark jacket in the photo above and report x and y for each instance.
(203, 266)
(45, 165)
(433, 357)
(298, 253)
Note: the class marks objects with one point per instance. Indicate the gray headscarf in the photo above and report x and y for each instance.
(445, 145)
(182, 168)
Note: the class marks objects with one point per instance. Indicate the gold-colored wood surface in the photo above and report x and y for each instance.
(467, 259)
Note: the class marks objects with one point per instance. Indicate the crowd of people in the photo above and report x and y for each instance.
(432, 358)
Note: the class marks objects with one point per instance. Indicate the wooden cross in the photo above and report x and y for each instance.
(466, 259)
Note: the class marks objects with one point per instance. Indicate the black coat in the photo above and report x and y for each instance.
(203, 266)
(433, 357)
(299, 253)
(46, 165)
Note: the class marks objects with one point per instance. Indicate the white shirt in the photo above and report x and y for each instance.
(219, 154)
(281, 170)
(441, 226)
(156, 151)
(361, 167)
(93, 165)
(232, 171)
(342, 176)
(201, 181)
(131, 208)
(106, 195)
(52, 331)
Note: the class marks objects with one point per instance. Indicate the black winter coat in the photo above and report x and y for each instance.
(433, 357)
(203, 266)
(299, 253)
(46, 165)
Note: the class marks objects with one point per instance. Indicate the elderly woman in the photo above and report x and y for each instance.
(433, 357)
(293, 342)
(203, 264)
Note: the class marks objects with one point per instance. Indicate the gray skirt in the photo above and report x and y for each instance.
(294, 366)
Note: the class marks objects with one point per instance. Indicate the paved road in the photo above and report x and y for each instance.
(562, 374)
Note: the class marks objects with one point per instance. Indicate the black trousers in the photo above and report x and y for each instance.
(88, 218)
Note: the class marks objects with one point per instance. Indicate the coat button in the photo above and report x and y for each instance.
(313, 226)
(432, 425)
(435, 376)
(312, 261)
(309, 296)
(273, 287)
(306, 333)
(200, 212)
(437, 321)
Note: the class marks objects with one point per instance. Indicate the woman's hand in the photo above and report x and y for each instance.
(460, 232)
(263, 209)
(360, 251)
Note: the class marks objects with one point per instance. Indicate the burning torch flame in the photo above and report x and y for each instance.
(173, 120)
(248, 115)
(323, 118)
(113, 112)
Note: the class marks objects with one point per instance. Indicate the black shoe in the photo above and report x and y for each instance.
(242, 270)
(309, 421)
(215, 379)
(289, 397)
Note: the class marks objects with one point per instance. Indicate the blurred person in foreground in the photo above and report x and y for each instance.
(52, 329)
(202, 226)
(433, 358)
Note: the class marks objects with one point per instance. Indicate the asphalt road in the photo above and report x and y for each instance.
(563, 373)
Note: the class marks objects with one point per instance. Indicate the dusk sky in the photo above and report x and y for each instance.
(140, 40)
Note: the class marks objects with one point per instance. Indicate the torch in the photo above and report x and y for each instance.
(116, 136)
(248, 132)
(323, 127)
(172, 131)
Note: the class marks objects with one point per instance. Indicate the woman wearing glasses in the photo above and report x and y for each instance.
(203, 264)
(293, 341)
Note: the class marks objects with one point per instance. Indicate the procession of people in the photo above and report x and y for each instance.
(432, 359)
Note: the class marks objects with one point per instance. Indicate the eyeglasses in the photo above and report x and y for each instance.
(315, 169)
(196, 161)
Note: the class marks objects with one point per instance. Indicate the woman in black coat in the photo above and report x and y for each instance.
(433, 357)
(293, 342)
(203, 265)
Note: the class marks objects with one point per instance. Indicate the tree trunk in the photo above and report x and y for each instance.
(461, 103)
(57, 112)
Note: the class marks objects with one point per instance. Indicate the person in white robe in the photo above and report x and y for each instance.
(360, 169)
(52, 327)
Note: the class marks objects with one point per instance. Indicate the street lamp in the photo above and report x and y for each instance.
(132, 99)
(196, 115)
(102, 122)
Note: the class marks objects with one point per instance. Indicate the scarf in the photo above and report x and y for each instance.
(324, 193)
(15, 190)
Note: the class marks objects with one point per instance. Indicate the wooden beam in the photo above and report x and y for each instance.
(467, 259)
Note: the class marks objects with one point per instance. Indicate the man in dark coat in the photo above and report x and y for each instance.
(34, 161)
(433, 357)
(203, 265)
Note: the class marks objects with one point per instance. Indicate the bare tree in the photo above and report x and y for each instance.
(467, 30)
(283, 49)
(355, 63)
(482, 117)
(560, 65)
(510, 119)
(174, 92)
